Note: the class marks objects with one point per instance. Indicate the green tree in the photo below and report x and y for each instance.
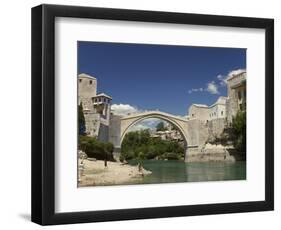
(239, 128)
(161, 126)
(174, 127)
(96, 149)
(81, 120)
(138, 142)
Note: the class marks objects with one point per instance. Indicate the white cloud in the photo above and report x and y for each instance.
(222, 80)
(195, 90)
(124, 109)
(220, 77)
(212, 88)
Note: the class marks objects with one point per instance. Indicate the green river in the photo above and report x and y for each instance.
(179, 171)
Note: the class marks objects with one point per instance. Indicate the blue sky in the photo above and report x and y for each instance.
(167, 78)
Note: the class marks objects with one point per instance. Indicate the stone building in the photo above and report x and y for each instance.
(87, 88)
(224, 107)
(96, 107)
(171, 133)
(213, 122)
(198, 111)
(206, 113)
(236, 90)
(218, 109)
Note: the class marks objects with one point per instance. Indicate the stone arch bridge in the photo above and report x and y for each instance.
(189, 129)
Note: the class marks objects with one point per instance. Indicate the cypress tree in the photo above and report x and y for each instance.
(81, 120)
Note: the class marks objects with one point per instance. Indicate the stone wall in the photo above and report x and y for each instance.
(86, 103)
(114, 130)
(92, 123)
(211, 156)
(198, 112)
(103, 133)
(217, 111)
(213, 153)
(193, 134)
(197, 137)
(231, 105)
(199, 134)
(216, 127)
(233, 84)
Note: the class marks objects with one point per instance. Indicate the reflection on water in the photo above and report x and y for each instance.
(179, 171)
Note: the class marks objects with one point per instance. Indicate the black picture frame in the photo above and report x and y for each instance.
(43, 114)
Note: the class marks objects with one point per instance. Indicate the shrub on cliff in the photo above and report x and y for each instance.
(239, 129)
(95, 148)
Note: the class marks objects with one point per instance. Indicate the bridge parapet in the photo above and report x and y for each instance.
(156, 112)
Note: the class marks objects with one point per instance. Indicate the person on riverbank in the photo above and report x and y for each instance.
(140, 169)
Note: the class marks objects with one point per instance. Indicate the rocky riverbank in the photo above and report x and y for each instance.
(93, 173)
(215, 153)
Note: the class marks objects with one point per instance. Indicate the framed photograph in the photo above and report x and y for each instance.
(142, 114)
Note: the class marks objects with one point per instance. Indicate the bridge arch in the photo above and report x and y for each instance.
(123, 134)
(131, 120)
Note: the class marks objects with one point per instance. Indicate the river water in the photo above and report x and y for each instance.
(179, 171)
